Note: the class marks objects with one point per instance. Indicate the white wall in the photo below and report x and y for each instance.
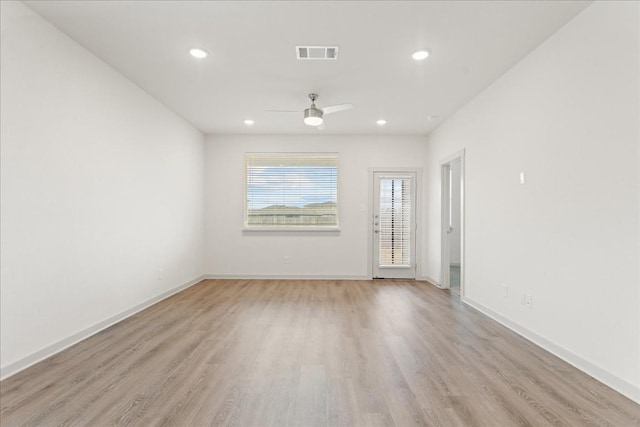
(230, 252)
(102, 188)
(568, 115)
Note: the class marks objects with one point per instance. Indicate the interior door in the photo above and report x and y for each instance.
(394, 225)
(452, 190)
(454, 225)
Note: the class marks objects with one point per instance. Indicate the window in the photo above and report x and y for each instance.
(291, 191)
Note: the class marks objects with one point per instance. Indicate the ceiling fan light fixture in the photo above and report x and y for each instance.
(420, 55)
(313, 117)
(198, 53)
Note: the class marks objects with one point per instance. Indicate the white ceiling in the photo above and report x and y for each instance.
(252, 63)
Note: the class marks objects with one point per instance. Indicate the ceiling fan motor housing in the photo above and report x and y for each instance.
(313, 116)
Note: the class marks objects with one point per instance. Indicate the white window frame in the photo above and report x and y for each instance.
(292, 228)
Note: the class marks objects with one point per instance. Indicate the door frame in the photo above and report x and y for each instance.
(445, 164)
(417, 221)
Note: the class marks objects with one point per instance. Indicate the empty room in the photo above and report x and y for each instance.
(320, 213)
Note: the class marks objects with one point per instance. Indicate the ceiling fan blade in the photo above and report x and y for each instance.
(335, 108)
(283, 111)
(321, 126)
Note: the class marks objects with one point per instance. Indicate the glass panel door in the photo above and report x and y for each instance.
(394, 225)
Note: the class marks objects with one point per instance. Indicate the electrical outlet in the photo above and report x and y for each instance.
(505, 291)
(285, 259)
(528, 301)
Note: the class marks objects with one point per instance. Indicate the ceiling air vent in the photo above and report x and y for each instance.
(317, 52)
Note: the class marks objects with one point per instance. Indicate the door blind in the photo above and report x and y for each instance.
(395, 222)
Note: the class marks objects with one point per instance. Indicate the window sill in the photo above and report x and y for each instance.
(292, 230)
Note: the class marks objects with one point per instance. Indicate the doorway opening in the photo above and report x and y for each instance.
(452, 223)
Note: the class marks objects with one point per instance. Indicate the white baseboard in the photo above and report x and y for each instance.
(620, 385)
(284, 277)
(306, 277)
(25, 362)
(431, 281)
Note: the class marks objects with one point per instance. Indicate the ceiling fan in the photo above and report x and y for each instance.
(313, 116)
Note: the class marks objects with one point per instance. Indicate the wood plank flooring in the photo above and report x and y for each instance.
(309, 353)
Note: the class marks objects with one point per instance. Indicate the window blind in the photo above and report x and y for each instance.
(291, 190)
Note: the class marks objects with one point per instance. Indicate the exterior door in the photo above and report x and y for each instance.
(394, 225)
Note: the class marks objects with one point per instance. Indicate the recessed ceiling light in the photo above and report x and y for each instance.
(420, 55)
(249, 122)
(381, 122)
(198, 53)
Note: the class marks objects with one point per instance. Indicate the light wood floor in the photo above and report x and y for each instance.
(309, 353)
